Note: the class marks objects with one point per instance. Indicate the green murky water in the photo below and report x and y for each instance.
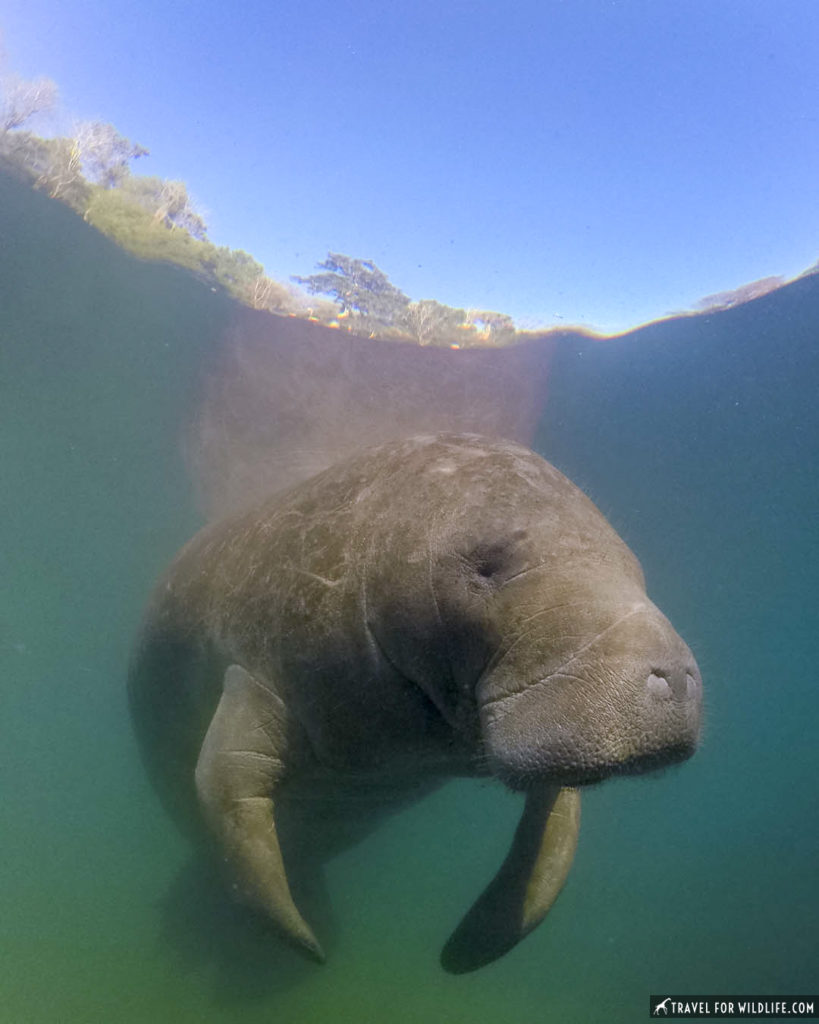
(699, 441)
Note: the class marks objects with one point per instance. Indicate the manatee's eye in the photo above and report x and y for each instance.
(489, 559)
(499, 555)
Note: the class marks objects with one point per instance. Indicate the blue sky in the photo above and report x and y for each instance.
(600, 162)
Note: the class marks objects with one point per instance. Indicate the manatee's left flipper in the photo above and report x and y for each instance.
(527, 884)
(239, 767)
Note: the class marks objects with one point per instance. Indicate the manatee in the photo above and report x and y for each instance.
(446, 605)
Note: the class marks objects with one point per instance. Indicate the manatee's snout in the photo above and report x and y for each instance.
(626, 701)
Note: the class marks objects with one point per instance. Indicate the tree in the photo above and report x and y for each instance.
(359, 287)
(235, 270)
(271, 295)
(105, 154)
(61, 174)
(494, 328)
(23, 98)
(432, 323)
(51, 165)
(167, 201)
(176, 209)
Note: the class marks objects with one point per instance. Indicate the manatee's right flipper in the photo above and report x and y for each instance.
(236, 776)
(527, 884)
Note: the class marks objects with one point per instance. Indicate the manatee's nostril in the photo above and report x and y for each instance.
(691, 685)
(657, 686)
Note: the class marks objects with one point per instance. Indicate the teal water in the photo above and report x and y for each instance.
(699, 439)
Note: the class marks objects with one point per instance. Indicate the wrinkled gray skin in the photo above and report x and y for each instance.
(446, 605)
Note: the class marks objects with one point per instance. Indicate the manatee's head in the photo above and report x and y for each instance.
(511, 601)
(576, 675)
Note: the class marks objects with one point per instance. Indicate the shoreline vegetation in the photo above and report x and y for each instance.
(154, 219)
(91, 171)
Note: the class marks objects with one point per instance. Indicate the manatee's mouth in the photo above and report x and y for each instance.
(522, 777)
